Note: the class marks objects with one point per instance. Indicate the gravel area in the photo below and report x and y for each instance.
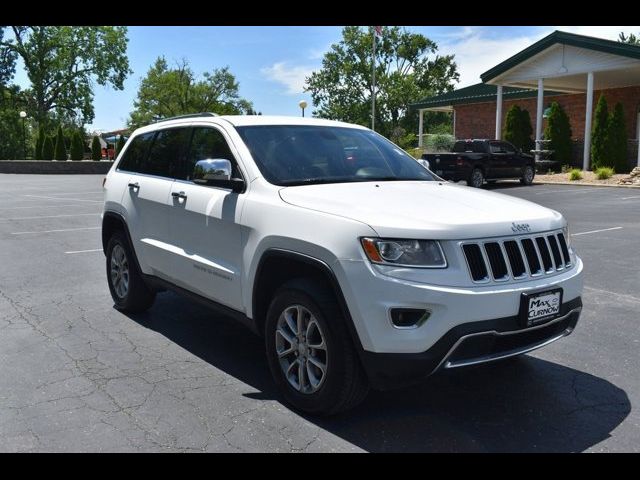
(587, 178)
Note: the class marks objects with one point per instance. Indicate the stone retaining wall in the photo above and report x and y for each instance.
(44, 167)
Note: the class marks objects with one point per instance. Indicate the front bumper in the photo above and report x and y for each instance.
(468, 344)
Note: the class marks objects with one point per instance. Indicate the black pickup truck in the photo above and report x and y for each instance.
(478, 160)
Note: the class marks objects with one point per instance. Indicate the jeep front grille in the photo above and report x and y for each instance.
(516, 258)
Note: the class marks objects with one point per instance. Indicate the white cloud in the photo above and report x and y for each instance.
(291, 76)
(476, 52)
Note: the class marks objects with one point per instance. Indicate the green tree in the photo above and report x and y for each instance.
(408, 69)
(120, 145)
(60, 151)
(518, 129)
(617, 140)
(64, 62)
(77, 149)
(7, 62)
(558, 130)
(166, 92)
(96, 149)
(39, 142)
(631, 38)
(11, 144)
(600, 135)
(47, 148)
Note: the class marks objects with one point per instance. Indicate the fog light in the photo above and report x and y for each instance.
(409, 317)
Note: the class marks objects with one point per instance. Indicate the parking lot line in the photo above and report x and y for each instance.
(596, 231)
(56, 231)
(43, 206)
(629, 198)
(64, 199)
(50, 216)
(84, 251)
(573, 190)
(74, 193)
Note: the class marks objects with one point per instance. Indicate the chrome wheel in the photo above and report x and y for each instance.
(119, 271)
(477, 179)
(301, 349)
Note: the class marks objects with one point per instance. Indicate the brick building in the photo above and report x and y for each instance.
(573, 70)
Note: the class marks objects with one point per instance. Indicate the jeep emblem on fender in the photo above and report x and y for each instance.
(520, 227)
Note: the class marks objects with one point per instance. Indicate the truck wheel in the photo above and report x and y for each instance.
(127, 287)
(527, 175)
(476, 179)
(309, 350)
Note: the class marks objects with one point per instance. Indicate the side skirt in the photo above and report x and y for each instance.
(161, 284)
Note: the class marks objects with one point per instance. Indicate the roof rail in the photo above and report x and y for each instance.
(189, 115)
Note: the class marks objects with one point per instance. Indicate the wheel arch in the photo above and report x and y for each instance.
(277, 266)
(112, 222)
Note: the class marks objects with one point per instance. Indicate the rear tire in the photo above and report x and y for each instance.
(343, 384)
(127, 287)
(528, 174)
(476, 179)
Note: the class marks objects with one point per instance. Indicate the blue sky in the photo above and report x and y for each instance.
(271, 63)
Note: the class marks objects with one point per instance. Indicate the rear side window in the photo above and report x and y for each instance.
(167, 152)
(136, 153)
(207, 143)
(461, 147)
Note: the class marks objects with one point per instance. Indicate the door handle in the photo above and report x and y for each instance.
(181, 195)
(134, 185)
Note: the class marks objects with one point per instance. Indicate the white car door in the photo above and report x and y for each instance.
(205, 226)
(146, 201)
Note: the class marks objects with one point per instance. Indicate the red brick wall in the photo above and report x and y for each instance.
(478, 120)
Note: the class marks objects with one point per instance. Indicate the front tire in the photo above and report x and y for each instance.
(309, 350)
(476, 179)
(127, 287)
(528, 174)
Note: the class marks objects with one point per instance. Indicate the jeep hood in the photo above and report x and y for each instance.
(437, 210)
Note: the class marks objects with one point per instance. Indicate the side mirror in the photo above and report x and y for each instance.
(216, 173)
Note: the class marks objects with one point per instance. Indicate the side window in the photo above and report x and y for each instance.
(167, 152)
(208, 143)
(136, 153)
(507, 148)
(494, 147)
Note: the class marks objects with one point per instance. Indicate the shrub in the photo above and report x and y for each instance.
(558, 130)
(599, 137)
(518, 129)
(60, 152)
(39, 142)
(96, 149)
(120, 145)
(566, 168)
(77, 149)
(47, 148)
(415, 152)
(603, 173)
(439, 143)
(617, 140)
(575, 174)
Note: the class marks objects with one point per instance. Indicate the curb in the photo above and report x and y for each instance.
(587, 184)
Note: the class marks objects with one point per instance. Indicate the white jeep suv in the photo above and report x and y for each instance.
(358, 266)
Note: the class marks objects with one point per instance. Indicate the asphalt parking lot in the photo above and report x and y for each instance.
(77, 375)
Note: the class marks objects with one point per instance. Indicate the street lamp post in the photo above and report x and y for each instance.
(302, 105)
(23, 115)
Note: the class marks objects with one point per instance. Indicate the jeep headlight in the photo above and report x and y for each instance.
(404, 253)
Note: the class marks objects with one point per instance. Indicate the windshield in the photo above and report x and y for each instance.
(308, 154)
